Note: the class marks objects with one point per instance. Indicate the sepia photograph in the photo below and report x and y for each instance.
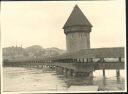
(63, 47)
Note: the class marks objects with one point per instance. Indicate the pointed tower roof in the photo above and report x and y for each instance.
(77, 18)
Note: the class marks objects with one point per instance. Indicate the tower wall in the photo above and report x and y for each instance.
(77, 41)
(77, 38)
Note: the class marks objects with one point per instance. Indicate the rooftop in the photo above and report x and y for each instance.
(114, 52)
(77, 18)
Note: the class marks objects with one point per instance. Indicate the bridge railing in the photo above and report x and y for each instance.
(90, 60)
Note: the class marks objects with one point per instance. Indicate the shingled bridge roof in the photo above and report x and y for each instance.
(114, 52)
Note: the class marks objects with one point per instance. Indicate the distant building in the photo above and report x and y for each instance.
(77, 30)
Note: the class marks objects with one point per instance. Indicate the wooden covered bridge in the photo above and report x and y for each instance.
(84, 61)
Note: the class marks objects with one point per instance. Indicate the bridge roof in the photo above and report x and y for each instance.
(114, 52)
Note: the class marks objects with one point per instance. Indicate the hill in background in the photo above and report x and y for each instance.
(34, 51)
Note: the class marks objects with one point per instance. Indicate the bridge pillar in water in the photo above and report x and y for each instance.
(82, 74)
(65, 72)
(103, 72)
(118, 73)
(74, 74)
(56, 68)
(91, 74)
(53, 67)
(69, 73)
(59, 70)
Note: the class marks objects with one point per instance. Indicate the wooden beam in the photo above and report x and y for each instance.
(103, 72)
(118, 73)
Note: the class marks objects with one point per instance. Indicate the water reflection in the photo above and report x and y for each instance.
(46, 79)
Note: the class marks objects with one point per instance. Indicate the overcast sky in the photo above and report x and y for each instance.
(40, 23)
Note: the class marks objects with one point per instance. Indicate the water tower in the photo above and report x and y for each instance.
(77, 30)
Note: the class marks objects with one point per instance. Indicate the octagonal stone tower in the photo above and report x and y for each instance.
(77, 30)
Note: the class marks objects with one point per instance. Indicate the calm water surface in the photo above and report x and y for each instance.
(33, 79)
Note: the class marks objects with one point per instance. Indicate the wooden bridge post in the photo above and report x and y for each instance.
(79, 60)
(74, 74)
(83, 60)
(61, 70)
(119, 59)
(118, 76)
(91, 60)
(87, 60)
(103, 72)
(75, 60)
(56, 69)
(91, 74)
(65, 72)
(118, 73)
(69, 73)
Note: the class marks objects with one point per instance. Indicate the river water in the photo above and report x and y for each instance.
(19, 79)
